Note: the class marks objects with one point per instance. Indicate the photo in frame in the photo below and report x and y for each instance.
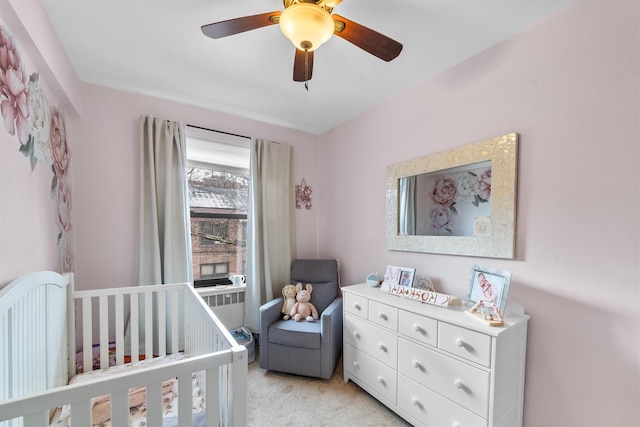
(488, 290)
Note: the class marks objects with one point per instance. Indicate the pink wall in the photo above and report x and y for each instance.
(570, 88)
(106, 185)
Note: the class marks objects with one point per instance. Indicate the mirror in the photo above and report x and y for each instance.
(459, 202)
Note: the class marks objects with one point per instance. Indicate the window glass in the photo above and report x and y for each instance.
(218, 179)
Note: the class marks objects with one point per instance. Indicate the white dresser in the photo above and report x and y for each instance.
(431, 365)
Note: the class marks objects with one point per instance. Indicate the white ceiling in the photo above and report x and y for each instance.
(156, 47)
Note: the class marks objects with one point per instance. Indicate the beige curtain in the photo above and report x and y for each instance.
(271, 230)
(165, 246)
(165, 232)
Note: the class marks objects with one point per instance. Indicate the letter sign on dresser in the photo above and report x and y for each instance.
(435, 366)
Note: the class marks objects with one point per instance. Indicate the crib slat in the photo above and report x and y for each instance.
(148, 325)
(212, 396)
(81, 413)
(154, 404)
(175, 335)
(162, 324)
(120, 408)
(119, 321)
(135, 324)
(40, 418)
(87, 332)
(185, 400)
(104, 331)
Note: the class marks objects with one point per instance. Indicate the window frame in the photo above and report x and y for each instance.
(220, 138)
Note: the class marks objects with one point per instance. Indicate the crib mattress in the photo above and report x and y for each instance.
(137, 397)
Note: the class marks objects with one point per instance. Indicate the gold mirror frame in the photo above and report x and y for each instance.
(502, 151)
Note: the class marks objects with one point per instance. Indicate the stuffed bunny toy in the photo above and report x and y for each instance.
(303, 309)
(289, 294)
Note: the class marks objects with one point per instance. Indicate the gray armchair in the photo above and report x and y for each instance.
(305, 348)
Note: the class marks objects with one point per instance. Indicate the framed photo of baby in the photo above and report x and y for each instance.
(488, 289)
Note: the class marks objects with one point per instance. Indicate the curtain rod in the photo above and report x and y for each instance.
(219, 131)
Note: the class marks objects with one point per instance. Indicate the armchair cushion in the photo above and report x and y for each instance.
(295, 334)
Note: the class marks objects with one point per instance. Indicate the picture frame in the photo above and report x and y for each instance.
(398, 279)
(392, 275)
(481, 222)
(406, 276)
(485, 282)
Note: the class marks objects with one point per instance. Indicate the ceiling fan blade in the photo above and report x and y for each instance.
(230, 27)
(303, 66)
(367, 39)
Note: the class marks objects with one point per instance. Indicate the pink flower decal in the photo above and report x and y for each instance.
(65, 253)
(484, 185)
(441, 218)
(14, 88)
(63, 206)
(444, 192)
(59, 150)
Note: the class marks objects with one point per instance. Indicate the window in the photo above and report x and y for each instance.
(218, 178)
(212, 271)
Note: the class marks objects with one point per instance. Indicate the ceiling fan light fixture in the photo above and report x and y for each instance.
(307, 25)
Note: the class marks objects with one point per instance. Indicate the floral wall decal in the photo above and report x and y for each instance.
(460, 201)
(41, 132)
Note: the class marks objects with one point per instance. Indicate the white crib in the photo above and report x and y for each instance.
(39, 313)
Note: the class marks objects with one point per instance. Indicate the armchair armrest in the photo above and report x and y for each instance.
(331, 331)
(331, 317)
(268, 314)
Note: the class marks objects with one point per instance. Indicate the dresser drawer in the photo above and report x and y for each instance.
(431, 409)
(423, 329)
(356, 304)
(384, 315)
(373, 373)
(472, 345)
(376, 342)
(464, 384)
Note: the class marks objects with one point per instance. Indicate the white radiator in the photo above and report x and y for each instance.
(226, 302)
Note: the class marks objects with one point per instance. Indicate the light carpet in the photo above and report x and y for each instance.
(276, 399)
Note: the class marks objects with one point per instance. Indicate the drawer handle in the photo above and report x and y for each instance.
(382, 347)
(382, 316)
(355, 363)
(381, 380)
(418, 365)
(416, 402)
(356, 334)
(418, 328)
(460, 342)
(458, 384)
(357, 306)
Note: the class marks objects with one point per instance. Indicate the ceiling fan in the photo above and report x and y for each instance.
(308, 24)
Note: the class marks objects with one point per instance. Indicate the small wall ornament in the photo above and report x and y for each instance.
(303, 195)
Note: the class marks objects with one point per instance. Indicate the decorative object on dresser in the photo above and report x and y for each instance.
(373, 280)
(423, 291)
(433, 365)
(488, 289)
(402, 276)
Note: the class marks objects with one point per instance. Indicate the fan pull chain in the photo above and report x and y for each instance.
(306, 69)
